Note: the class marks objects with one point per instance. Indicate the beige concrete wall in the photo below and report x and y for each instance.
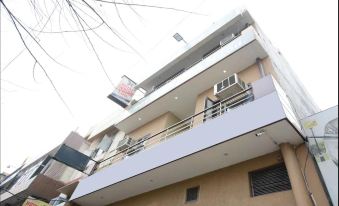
(56, 170)
(268, 67)
(171, 119)
(298, 185)
(157, 125)
(228, 186)
(76, 141)
(95, 142)
(252, 73)
(312, 176)
(200, 105)
(45, 187)
(200, 102)
(248, 75)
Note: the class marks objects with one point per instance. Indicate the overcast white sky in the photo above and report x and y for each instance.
(34, 120)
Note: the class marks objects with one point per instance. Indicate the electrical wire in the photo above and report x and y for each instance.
(314, 203)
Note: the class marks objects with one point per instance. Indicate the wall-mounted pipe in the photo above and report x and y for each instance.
(261, 67)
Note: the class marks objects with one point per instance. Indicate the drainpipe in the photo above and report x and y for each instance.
(261, 67)
(299, 188)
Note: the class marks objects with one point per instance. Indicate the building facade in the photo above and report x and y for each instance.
(218, 125)
(40, 180)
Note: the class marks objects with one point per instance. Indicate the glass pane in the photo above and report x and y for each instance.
(232, 80)
(192, 194)
(225, 83)
(209, 103)
(219, 86)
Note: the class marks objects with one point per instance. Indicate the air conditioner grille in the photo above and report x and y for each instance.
(229, 86)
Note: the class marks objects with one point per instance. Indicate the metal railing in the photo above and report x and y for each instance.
(192, 65)
(212, 112)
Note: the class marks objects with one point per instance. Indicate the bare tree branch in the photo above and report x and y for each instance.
(33, 70)
(67, 31)
(16, 20)
(113, 30)
(96, 34)
(81, 16)
(134, 11)
(149, 6)
(123, 22)
(16, 85)
(90, 42)
(32, 55)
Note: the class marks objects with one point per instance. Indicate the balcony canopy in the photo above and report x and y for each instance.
(245, 132)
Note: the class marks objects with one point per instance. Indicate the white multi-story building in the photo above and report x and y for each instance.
(218, 125)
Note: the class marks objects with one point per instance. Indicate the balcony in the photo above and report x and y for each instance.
(235, 56)
(43, 177)
(215, 37)
(193, 63)
(227, 133)
(204, 57)
(28, 182)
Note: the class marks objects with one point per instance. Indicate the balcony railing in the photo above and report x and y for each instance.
(206, 55)
(212, 112)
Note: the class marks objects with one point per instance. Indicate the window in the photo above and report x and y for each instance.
(232, 80)
(269, 180)
(105, 143)
(41, 166)
(225, 83)
(220, 86)
(192, 194)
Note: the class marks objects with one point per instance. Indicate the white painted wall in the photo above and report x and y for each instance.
(262, 112)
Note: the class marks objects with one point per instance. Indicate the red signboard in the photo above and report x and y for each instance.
(124, 92)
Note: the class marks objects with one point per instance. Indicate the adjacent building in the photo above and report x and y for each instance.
(40, 180)
(3, 175)
(219, 124)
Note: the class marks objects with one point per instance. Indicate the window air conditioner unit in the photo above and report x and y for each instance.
(227, 39)
(229, 87)
(125, 143)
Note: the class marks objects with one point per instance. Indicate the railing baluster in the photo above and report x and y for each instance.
(220, 109)
(166, 133)
(209, 113)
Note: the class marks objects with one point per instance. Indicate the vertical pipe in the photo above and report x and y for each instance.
(261, 67)
(299, 188)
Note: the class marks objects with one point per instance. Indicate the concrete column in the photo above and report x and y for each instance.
(299, 189)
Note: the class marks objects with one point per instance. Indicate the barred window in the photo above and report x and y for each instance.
(269, 180)
(192, 194)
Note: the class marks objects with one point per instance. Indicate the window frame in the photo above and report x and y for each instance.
(197, 194)
(263, 169)
(211, 107)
